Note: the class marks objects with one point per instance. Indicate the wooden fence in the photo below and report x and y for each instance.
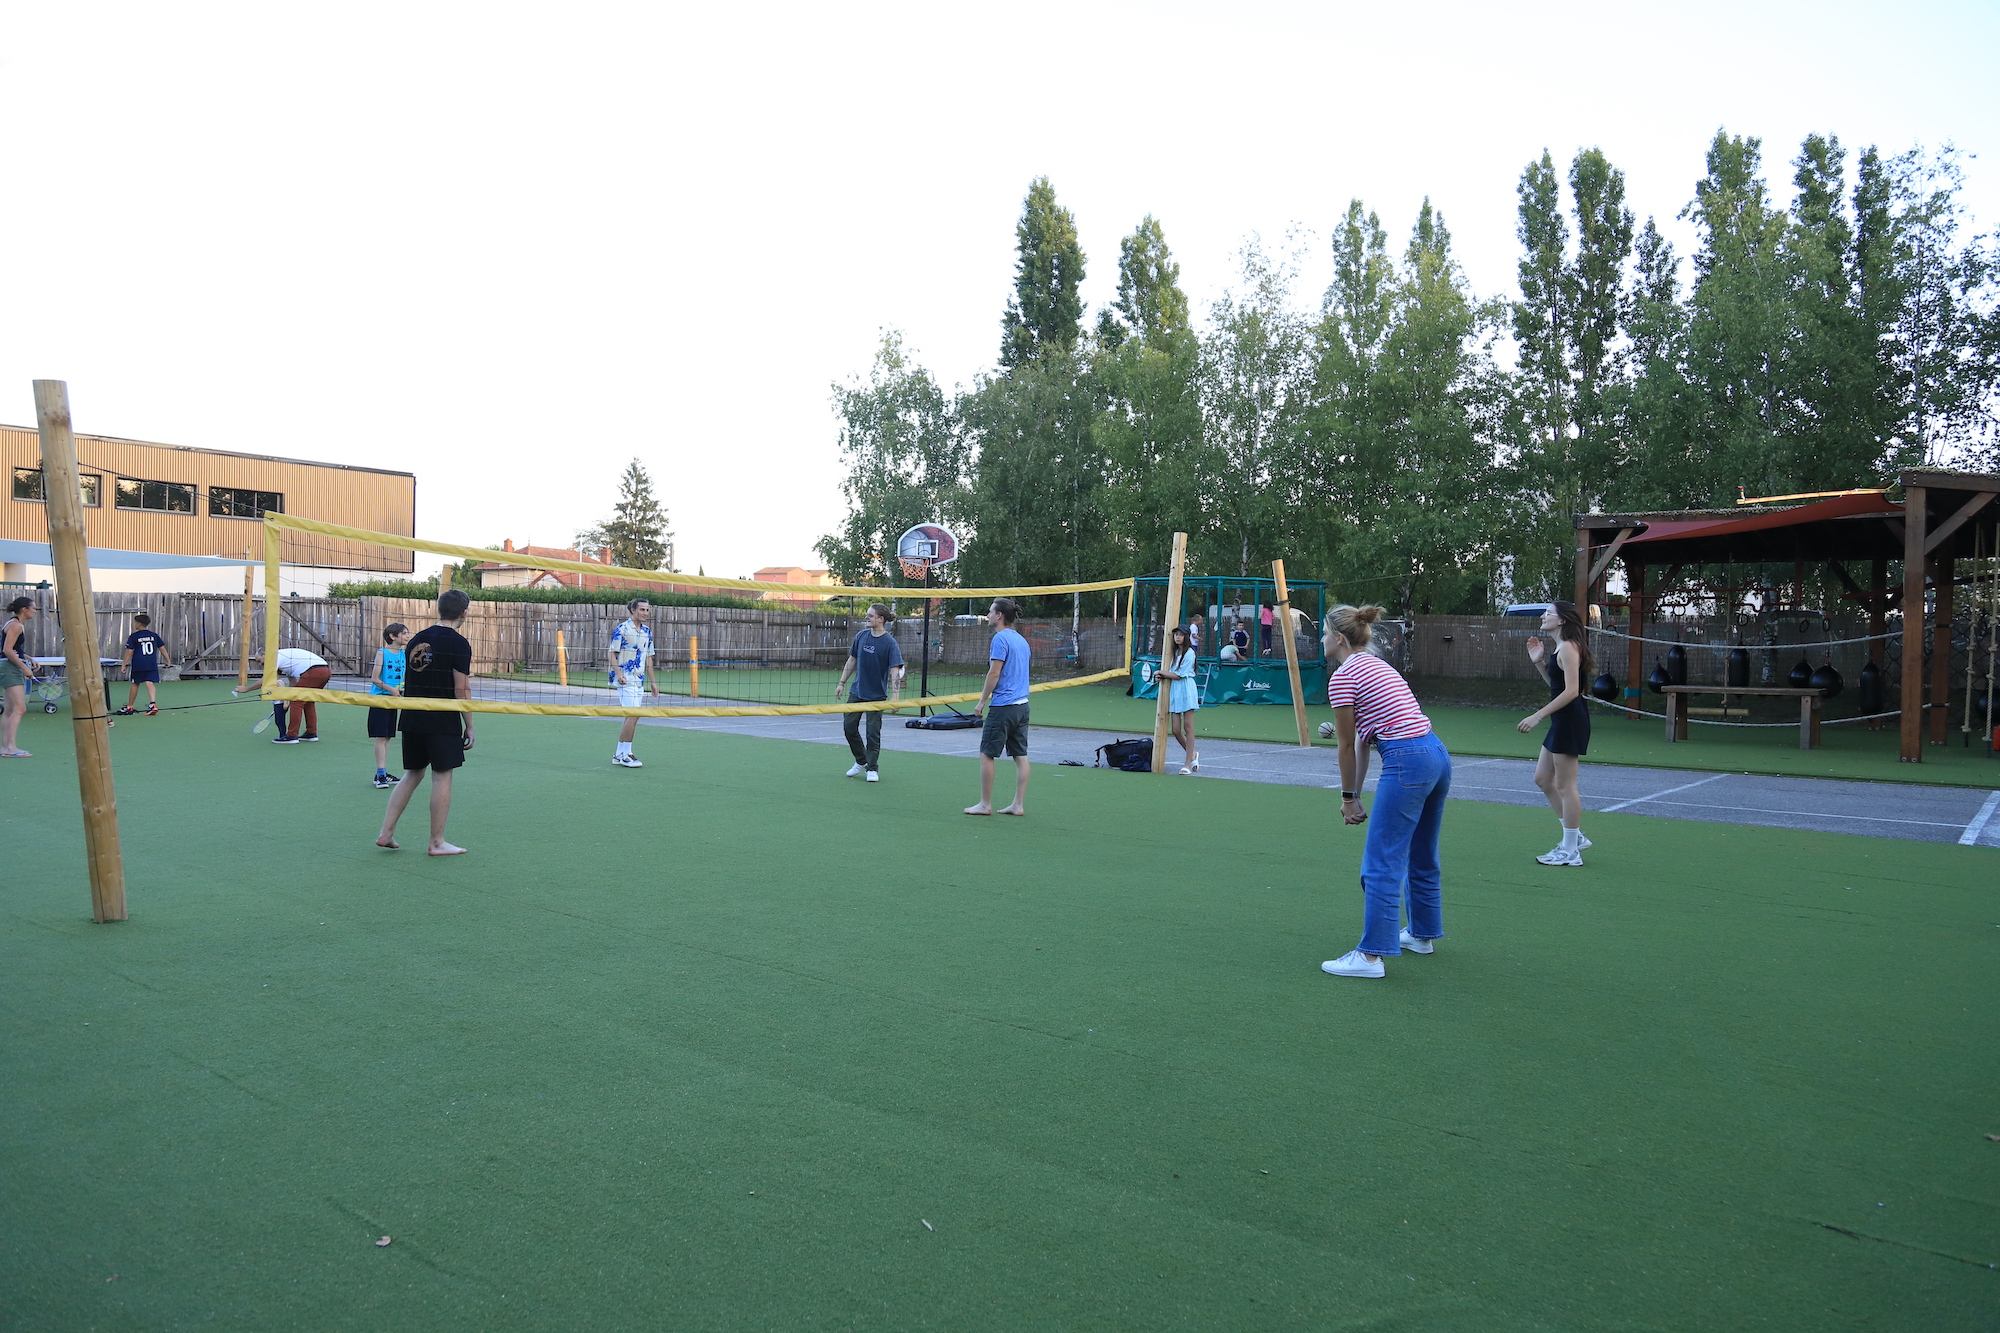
(204, 631)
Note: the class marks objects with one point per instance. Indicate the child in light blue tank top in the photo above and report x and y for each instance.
(391, 664)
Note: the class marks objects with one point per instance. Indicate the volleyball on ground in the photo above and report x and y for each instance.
(1326, 731)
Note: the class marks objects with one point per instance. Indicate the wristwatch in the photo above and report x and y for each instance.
(1347, 796)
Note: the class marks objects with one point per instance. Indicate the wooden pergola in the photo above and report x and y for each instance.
(1929, 530)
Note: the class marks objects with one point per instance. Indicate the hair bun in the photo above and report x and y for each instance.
(1367, 615)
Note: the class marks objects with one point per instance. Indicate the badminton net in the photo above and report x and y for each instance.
(721, 647)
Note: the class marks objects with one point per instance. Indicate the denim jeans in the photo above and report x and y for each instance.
(1401, 854)
(867, 755)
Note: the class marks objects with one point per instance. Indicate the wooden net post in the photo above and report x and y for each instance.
(1291, 650)
(249, 605)
(562, 661)
(1160, 713)
(694, 666)
(86, 680)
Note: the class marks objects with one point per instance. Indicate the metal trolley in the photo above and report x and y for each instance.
(51, 685)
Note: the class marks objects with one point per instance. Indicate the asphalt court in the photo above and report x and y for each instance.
(1874, 809)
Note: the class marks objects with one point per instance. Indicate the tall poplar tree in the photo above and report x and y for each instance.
(1044, 313)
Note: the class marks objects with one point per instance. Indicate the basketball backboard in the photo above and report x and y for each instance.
(929, 542)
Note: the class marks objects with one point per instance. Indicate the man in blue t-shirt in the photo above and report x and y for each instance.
(876, 663)
(1007, 720)
(145, 654)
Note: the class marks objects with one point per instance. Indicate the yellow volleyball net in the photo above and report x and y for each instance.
(542, 625)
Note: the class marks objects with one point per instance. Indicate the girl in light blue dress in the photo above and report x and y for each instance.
(1183, 697)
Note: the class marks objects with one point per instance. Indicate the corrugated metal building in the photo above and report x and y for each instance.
(140, 496)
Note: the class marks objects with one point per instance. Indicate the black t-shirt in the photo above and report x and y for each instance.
(430, 657)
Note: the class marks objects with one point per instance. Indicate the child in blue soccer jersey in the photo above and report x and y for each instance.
(145, 654)
(631, 668)
(386, 678)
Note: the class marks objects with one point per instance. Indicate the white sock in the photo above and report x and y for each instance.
(1570, 836)
(624, 748)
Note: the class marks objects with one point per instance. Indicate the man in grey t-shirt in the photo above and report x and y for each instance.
(876, 663)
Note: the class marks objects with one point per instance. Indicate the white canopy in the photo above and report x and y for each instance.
(37, 553)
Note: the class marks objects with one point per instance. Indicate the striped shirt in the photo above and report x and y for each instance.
(1384, 708)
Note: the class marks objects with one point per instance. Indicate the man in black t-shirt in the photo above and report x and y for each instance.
(438, 665)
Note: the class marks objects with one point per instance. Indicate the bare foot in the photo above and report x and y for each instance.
(1010, 810)
(446, 849)
(388, 842)
(978, 809)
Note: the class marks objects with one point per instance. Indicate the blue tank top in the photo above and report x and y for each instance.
(393, 662)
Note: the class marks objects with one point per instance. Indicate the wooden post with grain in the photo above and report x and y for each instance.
(249, 604)
(562, 661)
(1173, 616)
(69, 550)
(1291, 650)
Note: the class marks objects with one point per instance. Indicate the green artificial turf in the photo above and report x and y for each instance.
(708, 1044)
(1845, 752)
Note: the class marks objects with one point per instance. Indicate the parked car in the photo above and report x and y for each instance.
(1536, 609)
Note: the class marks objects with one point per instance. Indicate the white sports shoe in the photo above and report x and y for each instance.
(856, 771)
(1411, 944)
(873, 776)
(627, 761)
(1561, 856)
(1581, 841)
(1354, 964)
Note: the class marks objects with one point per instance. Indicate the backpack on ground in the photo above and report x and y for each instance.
(1135, 756)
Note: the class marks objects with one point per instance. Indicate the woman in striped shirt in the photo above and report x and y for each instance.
(1372, 706)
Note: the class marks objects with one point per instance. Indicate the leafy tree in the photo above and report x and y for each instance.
(1149, 422)
(1255, 387)
(637, 532)
(906, 460)
(1045, 310)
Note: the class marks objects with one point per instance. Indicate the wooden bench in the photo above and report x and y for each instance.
(1809, 701)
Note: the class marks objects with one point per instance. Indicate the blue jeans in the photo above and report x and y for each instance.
(1402, 849)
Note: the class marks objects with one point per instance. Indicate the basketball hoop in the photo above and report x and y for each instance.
(915, 570)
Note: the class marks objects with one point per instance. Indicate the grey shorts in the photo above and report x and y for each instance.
(1006, 729)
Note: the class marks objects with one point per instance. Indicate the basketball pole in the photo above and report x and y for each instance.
(1291, 651)
(924, 689)
(1174, 575)
(86, 679)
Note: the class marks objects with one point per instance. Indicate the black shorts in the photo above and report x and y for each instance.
(381, 723)
(440, 750)
(141, 677)
(1006, 728)
(1569, 729)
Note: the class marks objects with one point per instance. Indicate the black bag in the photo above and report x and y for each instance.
(1127, 756)
(952, 721)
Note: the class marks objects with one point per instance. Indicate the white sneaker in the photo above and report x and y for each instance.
(1411, 944)
(627, 761)
(1354, 964)
(1562, 856)
(1581, 841)
(873, 776)
(856, 771)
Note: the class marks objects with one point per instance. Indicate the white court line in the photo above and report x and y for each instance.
(1970, 838)
(1668, 792)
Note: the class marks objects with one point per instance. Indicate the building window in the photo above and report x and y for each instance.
(28, 486)
(158, 497)
(229, 502)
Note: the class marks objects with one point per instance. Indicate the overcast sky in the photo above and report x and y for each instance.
(510, 247)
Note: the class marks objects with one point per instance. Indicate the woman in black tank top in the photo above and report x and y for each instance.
(1568, 717)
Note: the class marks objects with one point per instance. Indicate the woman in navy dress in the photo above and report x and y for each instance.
(1568, 717)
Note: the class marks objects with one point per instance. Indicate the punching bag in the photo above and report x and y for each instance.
(1605, 687)
(1677, 665)
(1738, 671)
(1827, 679)
(1659, 680)
(1871, 689)
(1801, 677)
